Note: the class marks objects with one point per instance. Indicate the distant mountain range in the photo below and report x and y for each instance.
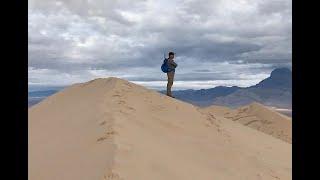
(275, 90)
(42, 93)
(203, 97)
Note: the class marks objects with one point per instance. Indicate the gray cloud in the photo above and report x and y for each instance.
(80, 40)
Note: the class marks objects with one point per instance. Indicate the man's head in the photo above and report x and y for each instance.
(171, 55)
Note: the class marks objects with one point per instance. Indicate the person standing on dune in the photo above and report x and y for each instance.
(171, 71)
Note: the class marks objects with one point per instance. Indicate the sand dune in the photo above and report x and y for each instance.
(111, 129)
(259, 117)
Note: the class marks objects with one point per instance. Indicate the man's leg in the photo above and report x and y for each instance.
(170, 82)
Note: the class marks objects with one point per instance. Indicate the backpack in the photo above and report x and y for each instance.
(164, 66)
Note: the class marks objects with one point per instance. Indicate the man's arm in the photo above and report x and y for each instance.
(171, 62)
(174, 64)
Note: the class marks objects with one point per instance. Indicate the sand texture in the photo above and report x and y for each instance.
(112, 129)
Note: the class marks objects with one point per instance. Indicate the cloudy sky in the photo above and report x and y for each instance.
(217, 42)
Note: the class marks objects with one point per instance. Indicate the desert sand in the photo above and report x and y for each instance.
(259, 117)
(111, 129)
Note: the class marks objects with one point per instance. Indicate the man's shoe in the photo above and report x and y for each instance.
(171, 96)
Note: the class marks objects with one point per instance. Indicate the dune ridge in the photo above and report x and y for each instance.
(112, 129)
(259, 117)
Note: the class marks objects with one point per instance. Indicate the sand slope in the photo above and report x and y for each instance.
(259, 117)
(111, 129)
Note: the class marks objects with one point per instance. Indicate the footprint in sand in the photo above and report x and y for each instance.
(121, 102)
(112, 176)
(130, 108)
(212, 116)
(107, 135)
(102, 123)
(273, 174)
(101, 139)
(124, 112)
